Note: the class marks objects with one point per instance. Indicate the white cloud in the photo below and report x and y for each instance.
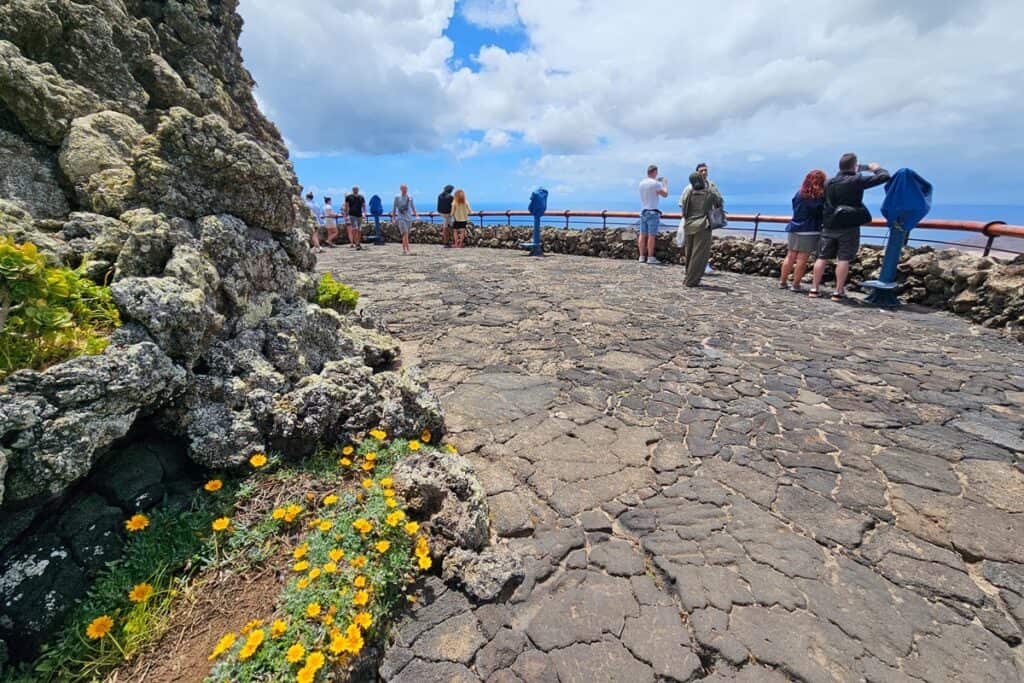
(492, 14)
(606, 87)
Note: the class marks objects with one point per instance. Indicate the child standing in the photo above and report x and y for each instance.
(460, 217)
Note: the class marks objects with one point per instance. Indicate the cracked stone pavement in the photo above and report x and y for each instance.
(732, 483)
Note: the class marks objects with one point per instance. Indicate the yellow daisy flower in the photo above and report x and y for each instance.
(378, 434)
(99, 627)
(425, 436)
(223, 645)
(326, 525)
(213, 485)
(330, 499)
(359, 562)
(295, 653)
(371, 456)
(300, 566)
(424, 562)
(278, 513)
(140, 593)
(251, 643)
(315, 661)
(345, 462)
(258, 460)
(383, 546)
(361, 598)
(411, 528)
(305, 675)
(301, 551)
(359, 582)
(278, 628)
(313, 610)
(221, 523)
(414, 445)
(330, 568)
(363, 620)
(336, 554)
(347, 450)
(136, 523)
(363, 526)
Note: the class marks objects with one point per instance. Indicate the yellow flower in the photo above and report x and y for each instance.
(278, 513)
(421, 546)
(452, 449)
(302, 583)
(414, 445)
(363, 620)
(315, 661)
(251, 625)
(330, 568)
(314, 522)
(367, 467)
(411, 528)
(140, 593)
(136, 523)
(313, 610)
(378, 434)
(367, 483)
(345, 462)
(328, 620)
(300, 566)
(223, 645)
(314, 573)
(359, 562)
(326, 525)
(394, 518)
(359, 582)
(221, 523)
(425, 436)
(301, 551)
(278, 628)
(362, 526)
(336, 554)
(389, 493)
(339, 644)
(295, 653)
(361, 598)
(251, 643)
(386, 482)
(347, 450)
(424, 562)
(213, 485)
(305, 675)
(99, 627)
(391, 502)
(258, 460)
(371, 456)
(330, 500)
(291, 512)
(383, 546)
(354, 639)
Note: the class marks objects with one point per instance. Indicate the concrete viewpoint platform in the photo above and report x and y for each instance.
(731, 483)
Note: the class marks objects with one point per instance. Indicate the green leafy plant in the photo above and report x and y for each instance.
(48, 313)
(332, 294)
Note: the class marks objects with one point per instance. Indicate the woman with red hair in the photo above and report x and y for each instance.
(804, 229)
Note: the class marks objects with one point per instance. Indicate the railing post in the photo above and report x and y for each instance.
(431, 217)
(604, 218)
(757, 220)
(567, 218)
(991, 238)
(481, 214)
(508, 216)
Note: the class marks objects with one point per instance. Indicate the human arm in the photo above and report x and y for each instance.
(663, 192)
(684, 196)
(879, 177)
(412, 206)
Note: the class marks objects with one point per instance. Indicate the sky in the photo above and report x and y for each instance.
(579, 96)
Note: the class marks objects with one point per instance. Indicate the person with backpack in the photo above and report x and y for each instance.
(403, 210)
(444, 207)
(354, 205)
(804, 230)
(696, 202)
(842, 217)
(460, 217)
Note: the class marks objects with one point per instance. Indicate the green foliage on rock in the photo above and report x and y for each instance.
(332, 294)
(48, 313)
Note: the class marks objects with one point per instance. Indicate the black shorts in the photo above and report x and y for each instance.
(459, 225)
(841, 245)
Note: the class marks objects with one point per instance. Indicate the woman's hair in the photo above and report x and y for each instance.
(460, 197)
(814, 185)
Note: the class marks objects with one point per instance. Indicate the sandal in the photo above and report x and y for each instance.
(837, 296)
(798, 290)
(783, 285)
(813, 294)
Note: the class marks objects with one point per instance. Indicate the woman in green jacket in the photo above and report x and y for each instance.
(697, 200)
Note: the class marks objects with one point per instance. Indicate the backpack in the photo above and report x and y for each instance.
(842, 216)
(376, 206)
(444, 202)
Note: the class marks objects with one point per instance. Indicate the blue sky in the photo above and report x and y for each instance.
(499, 96)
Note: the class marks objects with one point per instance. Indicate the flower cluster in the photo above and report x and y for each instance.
(353, 553)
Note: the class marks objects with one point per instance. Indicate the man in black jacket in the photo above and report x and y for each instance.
(844, 214)
(444, 207)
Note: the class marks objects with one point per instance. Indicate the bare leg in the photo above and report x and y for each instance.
(650, 245)
(801, 268)
(641, 246)
(819, 272)
(332, 233)
(787, 266)
(842, 271)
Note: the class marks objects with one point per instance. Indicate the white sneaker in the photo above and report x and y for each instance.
(642, 259)
(653, 261)
(708, 269)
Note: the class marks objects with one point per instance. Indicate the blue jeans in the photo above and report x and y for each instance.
(650, 221)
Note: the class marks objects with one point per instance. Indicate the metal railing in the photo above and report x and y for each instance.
(762, 225)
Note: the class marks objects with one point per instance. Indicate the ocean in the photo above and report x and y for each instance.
(939, 239)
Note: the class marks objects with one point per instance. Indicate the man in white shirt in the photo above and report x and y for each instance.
(652, 189)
